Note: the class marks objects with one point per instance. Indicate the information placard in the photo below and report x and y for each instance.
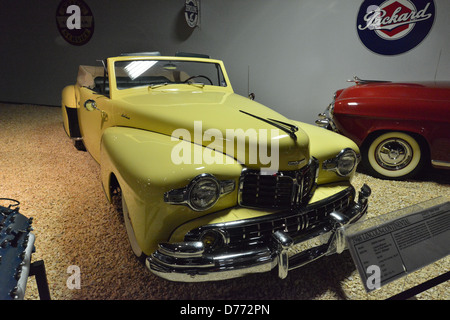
(406, 243)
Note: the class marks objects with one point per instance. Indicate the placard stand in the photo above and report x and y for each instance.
(37, 269)
(394, 245)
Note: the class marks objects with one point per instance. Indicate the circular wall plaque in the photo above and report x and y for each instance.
(192, 12)
(391, 27)
(75, 21)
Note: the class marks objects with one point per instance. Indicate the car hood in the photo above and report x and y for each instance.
(426, 90)
(222, 121)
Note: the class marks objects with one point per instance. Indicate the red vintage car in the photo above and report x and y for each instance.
(399, 127)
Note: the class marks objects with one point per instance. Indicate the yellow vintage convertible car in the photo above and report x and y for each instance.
(212, 185)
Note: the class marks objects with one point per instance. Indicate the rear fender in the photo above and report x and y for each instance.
(69, 107)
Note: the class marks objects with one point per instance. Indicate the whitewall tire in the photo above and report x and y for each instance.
(393, 155)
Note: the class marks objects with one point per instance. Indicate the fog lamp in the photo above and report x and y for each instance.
(211, 239)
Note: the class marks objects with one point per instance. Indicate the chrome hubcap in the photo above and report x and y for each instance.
(394, 154)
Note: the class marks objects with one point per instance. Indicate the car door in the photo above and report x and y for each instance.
(94, 117)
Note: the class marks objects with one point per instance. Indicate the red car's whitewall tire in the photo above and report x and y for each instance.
(393, 155)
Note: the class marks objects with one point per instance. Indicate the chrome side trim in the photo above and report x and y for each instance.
(440, 164)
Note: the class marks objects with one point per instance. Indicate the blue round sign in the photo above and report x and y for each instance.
(391, 27)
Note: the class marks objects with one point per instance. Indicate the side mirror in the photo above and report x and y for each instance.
(251, 96)
(90, 105)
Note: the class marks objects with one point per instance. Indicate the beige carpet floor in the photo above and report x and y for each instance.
(75, 225)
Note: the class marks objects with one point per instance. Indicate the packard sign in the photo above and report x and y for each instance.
(391, 27)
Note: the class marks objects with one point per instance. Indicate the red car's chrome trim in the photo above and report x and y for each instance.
(442, 164)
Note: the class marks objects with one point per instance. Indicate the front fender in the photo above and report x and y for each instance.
(324, 145)
(142, 163)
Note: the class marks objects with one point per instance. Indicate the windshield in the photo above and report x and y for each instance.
(138, 73)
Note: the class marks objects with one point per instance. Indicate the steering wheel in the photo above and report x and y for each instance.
(198, 76)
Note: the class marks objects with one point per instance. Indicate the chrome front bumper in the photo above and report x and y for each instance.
(325, 119)
(326, 122)
(190, 262)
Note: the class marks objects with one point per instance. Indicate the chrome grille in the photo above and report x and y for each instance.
(280, 190)
(293, 222)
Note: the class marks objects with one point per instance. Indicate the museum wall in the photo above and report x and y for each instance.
(293, 54)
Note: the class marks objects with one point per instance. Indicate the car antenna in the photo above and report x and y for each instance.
(105, 73)
(103, 64)
(248, 79)
(251, 95)
(437, 66)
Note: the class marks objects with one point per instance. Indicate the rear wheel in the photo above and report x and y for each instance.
(393, 155)
(79, 144)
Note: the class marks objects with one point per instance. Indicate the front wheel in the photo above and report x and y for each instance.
(393, 155)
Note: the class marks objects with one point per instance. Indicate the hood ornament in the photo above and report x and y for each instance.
(357, 80)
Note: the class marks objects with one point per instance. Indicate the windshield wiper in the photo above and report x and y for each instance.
(197, 84)
(291, 129)
(157, 85)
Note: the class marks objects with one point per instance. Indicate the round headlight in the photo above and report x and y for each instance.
(346, 162)
(204, 193)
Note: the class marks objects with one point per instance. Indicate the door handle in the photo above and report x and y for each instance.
(91, 105)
